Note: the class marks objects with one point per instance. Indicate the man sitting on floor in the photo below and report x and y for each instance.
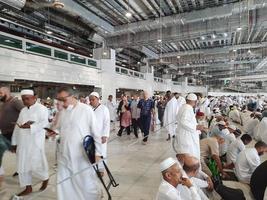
(248, 160)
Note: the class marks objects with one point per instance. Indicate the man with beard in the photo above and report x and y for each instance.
(248, 160)
(28, 140)
(9, 113)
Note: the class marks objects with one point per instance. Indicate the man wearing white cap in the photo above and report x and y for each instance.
(172, 177)
(76, 121)
(187, 137)
(103, 120)
(29, 141)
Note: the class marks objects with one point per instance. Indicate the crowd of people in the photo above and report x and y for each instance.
(211, 137)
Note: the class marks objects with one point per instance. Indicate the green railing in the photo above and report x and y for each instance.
(32, 47)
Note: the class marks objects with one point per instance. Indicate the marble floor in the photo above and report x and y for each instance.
(134, 166)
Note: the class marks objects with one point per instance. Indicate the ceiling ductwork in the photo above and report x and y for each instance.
(18, 4)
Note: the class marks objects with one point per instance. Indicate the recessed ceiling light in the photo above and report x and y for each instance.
(234, 50)
(213, 36)
(225, 34)
(128, 14)
(178, 57)
(187, 64)
(239, 29)
(138, 63)
(104, 53)
(49, 32)
(202, 38)
(249, 51)
(159, 40)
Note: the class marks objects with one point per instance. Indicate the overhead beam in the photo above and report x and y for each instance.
(78, 10)
(194, 16)
(216, 50)
(182, 33)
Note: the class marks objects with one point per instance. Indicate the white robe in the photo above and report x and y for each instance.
(187, 137)
(262, 130)
(169, 117)
(250, 125)
(229, 138)
(234, 115)
(112, 110)
(74, 125)
(234, 149)
(31, 158)
(246, 163)
(102, 125)
(168, 192)
(186, 192)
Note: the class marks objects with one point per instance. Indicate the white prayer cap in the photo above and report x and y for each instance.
(167, 163)
(233, 127)
(27, 92)
(191, 97)
(221, 123)
(95, 94)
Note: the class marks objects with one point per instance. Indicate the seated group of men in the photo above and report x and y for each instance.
(226, 147)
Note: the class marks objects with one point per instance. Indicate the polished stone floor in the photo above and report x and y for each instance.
(134, 166)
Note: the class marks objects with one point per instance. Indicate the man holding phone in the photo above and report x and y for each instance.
(28, 142)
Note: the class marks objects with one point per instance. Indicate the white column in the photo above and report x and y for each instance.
(107, 61)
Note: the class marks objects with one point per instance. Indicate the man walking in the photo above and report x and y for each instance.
(147, 109)
(29, 141)
(9, 114)
(77, 120)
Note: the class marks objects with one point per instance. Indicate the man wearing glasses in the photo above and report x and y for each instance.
(76, 121)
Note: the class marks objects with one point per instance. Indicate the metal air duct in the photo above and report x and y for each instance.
(18, 4)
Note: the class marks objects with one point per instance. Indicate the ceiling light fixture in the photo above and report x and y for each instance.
(225, 34)
(202, 38)
(104, 53)
(239, 29)
(49, 32)
(234, 50)
(71, 48)
(213, 36)
(249, 51)
(159, 40)
(58, 4)
(128, 14)
(178, 57)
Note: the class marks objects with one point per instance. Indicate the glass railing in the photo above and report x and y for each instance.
(32, 47)
(129, 72)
